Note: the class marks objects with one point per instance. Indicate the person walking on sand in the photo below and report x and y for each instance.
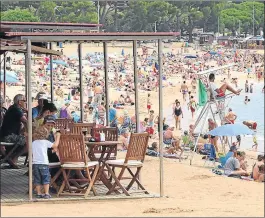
(194, 85)
(178, 114)
(192, 105)
(184, 90)
(148, 103)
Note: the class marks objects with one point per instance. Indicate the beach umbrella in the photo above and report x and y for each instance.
(212, 53)
(190, 56)
(9, 79)
(231, 130)
(9, 73)
(60, 62)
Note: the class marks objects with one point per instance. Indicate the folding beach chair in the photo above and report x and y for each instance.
(210, 154)
(111, 134)
(7, 157)
(77, 128)
(63, 123)
(73, 157)
(134, 159)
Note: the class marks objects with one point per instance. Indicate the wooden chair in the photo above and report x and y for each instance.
(111, 134)
(77, 128)
(134, 159)
(73, 156)
(63, 123)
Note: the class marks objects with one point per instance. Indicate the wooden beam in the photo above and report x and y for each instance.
(34, 49)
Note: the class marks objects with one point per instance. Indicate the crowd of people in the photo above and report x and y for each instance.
(67, 97)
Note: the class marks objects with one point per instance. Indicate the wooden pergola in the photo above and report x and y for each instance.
(30, 37)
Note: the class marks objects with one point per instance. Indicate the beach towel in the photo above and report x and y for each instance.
(202, 94)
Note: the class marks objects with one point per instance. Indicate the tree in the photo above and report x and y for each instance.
(46, 11)
(19, 15)
(243, 13)
(78, 12)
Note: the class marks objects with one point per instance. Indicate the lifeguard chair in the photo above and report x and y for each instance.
(211, 104)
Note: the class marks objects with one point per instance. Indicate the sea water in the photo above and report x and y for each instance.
(253, 110)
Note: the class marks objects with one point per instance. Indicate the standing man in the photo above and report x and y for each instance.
(212, 125)
(98, 94)
(184, 90)
(230, 117)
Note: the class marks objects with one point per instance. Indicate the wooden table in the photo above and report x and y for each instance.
(108, 147)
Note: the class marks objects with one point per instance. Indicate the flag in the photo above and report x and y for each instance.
(202, 94)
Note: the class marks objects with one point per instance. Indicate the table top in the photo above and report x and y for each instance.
(106, 143)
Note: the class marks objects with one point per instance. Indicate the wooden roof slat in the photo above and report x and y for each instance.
(50, 24)
(34, 49)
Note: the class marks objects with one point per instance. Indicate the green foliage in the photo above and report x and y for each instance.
(20, 15)
(46, 11)
(142, 15)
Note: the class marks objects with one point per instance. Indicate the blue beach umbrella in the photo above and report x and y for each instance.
(190, 56)
(9, 79)
(213, 53)
(231, 130)
(60, 62)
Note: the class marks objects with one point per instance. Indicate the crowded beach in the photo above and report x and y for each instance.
(240, 158)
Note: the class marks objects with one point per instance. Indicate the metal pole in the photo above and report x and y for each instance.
(51, 74)
(218, 25)
(4, 80)
(26, 77)
(106, 73)
(81, 81)
(136, 86)
(98, 15)
(253, 18)
(160, 63)
(197, 140)
(28, 60)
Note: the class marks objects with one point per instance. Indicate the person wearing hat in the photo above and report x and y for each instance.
(41, 100)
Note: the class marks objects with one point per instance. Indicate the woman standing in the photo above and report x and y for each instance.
(177, 113)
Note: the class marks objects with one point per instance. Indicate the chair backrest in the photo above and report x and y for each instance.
(111, 133)
(63, 123)
(77, 128)
(137, 146)
(72, 149)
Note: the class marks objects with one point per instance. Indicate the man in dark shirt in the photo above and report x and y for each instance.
(11, 128)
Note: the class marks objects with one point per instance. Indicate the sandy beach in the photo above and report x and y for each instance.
(192, 191)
